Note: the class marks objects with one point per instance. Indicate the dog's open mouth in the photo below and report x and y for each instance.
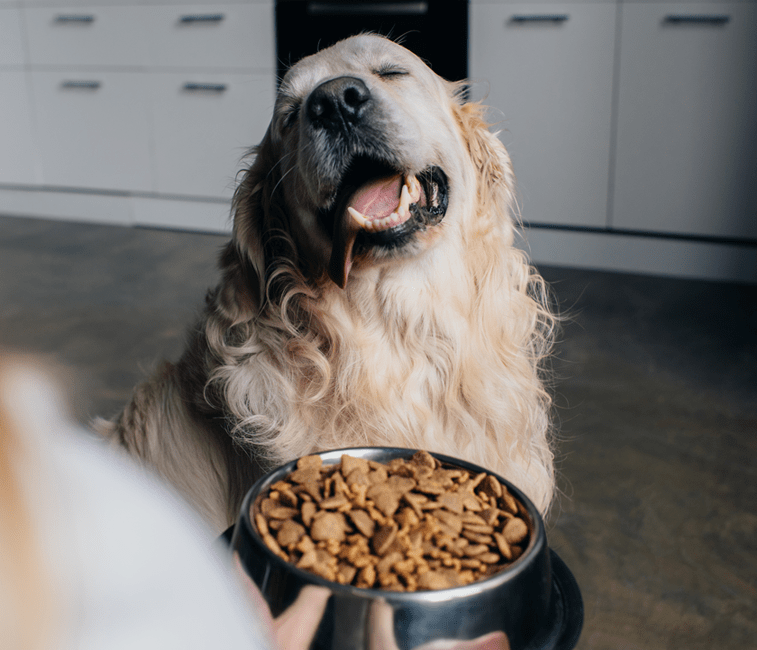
(377, 206)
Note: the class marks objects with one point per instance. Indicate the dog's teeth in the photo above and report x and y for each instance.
(358, 217)
(404, 201)
(375, 225)
(413, 186)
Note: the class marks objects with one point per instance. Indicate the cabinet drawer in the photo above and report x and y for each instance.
(89, 3)
(80, 3)
(203, 125)
(687, 106)
(212, 36)
(80, 36)
(547, 69)
(17, 145)
(93, 129)
(11, 48)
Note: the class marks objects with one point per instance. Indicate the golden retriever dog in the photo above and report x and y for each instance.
(370, 295)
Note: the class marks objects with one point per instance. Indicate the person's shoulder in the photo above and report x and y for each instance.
(151, 574)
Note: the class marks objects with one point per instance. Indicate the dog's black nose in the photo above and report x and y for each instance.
(338, 102)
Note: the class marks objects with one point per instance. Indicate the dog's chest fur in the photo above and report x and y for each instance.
(395, 363)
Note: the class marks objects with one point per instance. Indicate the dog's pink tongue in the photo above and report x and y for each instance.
(374, 200)
(378, 199)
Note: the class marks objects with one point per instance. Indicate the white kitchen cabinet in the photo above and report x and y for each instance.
(548, 70)
(17, 144)
(18, 159)
(687, 119)
(11, 44)
(227, 36)
(203, 125)
(141, 3)
(87, 36)
(149, 101)
(93, 130)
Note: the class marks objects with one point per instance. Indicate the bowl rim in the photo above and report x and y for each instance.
(536, 545)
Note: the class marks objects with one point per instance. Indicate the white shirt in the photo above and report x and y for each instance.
(133, 567)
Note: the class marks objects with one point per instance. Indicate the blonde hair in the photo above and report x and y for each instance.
(26, 593)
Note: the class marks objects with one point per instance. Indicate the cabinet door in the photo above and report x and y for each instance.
(203, 125)
(11, 47)
(93, 129)
(87, 36)
(231, 37)
(17, 146)
(549, 69)
(687, 116)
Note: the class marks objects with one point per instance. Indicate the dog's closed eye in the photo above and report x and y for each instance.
(391, 70)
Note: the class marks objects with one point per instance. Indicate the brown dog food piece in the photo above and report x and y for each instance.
(351, 464)
(363, 522)
(328, 525)
(383, 538)
(290, 533)
(515, 531)
(310, 462)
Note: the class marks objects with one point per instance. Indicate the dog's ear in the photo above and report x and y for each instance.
(496, 189)
(243, 261)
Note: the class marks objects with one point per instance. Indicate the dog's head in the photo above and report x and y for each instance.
(366, 162)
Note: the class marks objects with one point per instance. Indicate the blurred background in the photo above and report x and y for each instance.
(633, 131)
(630, 124)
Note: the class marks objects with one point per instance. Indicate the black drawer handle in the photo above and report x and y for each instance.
(75, 18)
(696, 19)
(208, 88)
(539, 18)
(201, 18)
(83, 85)
(364, 8)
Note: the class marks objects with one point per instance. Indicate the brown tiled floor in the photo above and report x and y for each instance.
(656, 387)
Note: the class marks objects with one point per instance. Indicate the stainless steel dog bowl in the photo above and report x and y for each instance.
(533, 603)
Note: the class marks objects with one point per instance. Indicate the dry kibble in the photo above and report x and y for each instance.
(402, 526)
(439, 579)
(473, 550)
(290, 533)
(328, 525)
(367, 577)
(363, 522)
(383, 538)
(492, 487)
(386, 500)
(308, 511)
(503, 546)
(309, 462)
(510, 504)
(454, 522)
(261, 523)
(350, 464)
(334, 503)
(452, 501)
(346, 573)
(515, 530)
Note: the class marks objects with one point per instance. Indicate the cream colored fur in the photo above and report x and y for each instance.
(439, 347)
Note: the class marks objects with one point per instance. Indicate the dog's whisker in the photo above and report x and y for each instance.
(279, 162)
(283, 176)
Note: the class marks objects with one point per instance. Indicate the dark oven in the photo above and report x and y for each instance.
(436, 30)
